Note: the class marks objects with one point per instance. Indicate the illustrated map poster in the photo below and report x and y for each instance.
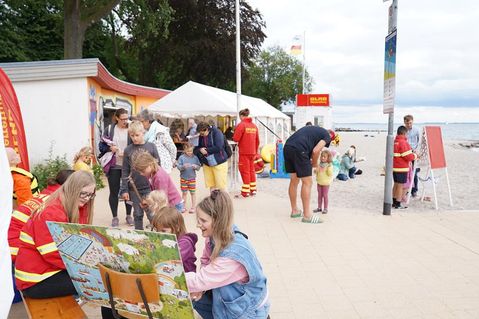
(83, 247)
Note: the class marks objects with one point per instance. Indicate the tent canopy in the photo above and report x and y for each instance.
(195, 99)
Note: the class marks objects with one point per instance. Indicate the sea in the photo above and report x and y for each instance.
(450, 131)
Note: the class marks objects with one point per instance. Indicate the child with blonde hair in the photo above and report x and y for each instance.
(188, 164)
(167, 220)
(324, 177)
(229, 269)
(82, 159)
(134, 186)
(146, 165)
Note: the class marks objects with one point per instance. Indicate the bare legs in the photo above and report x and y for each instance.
(306, 184)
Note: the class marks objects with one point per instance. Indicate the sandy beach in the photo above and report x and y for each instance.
(416, 263)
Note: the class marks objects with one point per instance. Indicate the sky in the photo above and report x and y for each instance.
(437, 71)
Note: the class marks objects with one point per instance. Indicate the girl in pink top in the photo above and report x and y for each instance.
(147, 165)
(229, 265)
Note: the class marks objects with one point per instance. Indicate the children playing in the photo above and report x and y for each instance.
(324, 177)
(146, 165)
(132, 179)
(167, 220)
(230, 268)
(188, 164)
(403, 156)
(82, 160)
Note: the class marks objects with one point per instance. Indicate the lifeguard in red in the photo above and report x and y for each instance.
(247, 137)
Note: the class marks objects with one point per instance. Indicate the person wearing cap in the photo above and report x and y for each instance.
(25, 184)
(301, 153)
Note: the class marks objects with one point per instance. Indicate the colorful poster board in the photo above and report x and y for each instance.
(12, 122)
(83, 247)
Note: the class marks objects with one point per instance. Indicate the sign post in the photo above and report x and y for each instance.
(388, 104)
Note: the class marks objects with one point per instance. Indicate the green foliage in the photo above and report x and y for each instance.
(49, 168)
(98, 173)
(31, 30)
(161, 43)
(276, 77)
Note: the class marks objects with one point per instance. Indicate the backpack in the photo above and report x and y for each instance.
(227, 148)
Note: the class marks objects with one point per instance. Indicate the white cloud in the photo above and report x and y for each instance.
(437, 55)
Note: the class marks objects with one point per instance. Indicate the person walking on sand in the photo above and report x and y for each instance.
(413, 140)
(301, 154)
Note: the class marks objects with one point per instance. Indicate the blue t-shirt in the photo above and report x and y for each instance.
(189, 172)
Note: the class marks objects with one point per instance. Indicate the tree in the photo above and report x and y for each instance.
(198, 44)
(276, 77)
(30, 30)
(78, 15)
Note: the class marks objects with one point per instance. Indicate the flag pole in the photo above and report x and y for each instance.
(304, 60)
(238, 58)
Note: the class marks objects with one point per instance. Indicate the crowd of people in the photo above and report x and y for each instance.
(140, 155)
(136, 152)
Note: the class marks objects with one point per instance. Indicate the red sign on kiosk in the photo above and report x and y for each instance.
(312, 100)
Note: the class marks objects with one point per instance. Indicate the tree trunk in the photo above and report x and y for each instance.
(75, 26)
(74, 32)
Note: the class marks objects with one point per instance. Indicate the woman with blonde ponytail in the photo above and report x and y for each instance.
(39, 269)
(231, 282)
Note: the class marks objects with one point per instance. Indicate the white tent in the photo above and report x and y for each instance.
(193, 99)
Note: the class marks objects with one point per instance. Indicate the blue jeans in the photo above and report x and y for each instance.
(344, 177)
(204, 307)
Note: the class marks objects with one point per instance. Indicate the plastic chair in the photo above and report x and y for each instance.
(121, 285)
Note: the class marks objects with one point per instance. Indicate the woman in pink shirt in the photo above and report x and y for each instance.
(147, 165)
(230, 282)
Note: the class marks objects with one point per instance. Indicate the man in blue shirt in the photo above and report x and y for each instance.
(413, 140)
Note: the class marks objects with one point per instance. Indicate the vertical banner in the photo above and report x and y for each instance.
(12, 123)
(390, 73)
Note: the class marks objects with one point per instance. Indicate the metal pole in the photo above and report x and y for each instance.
(388, 182)
(304, 60)
(238, 58)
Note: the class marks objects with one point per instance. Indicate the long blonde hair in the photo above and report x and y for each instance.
(219, 206)
(141, 160)
(69, 194)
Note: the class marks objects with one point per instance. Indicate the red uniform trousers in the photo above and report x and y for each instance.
(248, 175)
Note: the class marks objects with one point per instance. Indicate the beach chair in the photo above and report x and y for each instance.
(59, 308)
(136, 288)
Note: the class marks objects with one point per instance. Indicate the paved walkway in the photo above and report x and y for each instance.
(356, 264)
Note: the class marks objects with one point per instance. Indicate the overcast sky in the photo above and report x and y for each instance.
(437, 54)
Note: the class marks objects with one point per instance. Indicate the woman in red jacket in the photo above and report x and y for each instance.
(247, 137)
(39, 269)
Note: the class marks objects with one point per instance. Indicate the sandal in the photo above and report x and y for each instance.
(298, 214)
(313, 220)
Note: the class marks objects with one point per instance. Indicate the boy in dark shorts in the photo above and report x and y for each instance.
(403, 156)
(301, 154)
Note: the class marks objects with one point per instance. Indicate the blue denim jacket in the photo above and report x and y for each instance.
(242, 300)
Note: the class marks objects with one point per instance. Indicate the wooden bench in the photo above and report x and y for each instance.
(55, 308)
